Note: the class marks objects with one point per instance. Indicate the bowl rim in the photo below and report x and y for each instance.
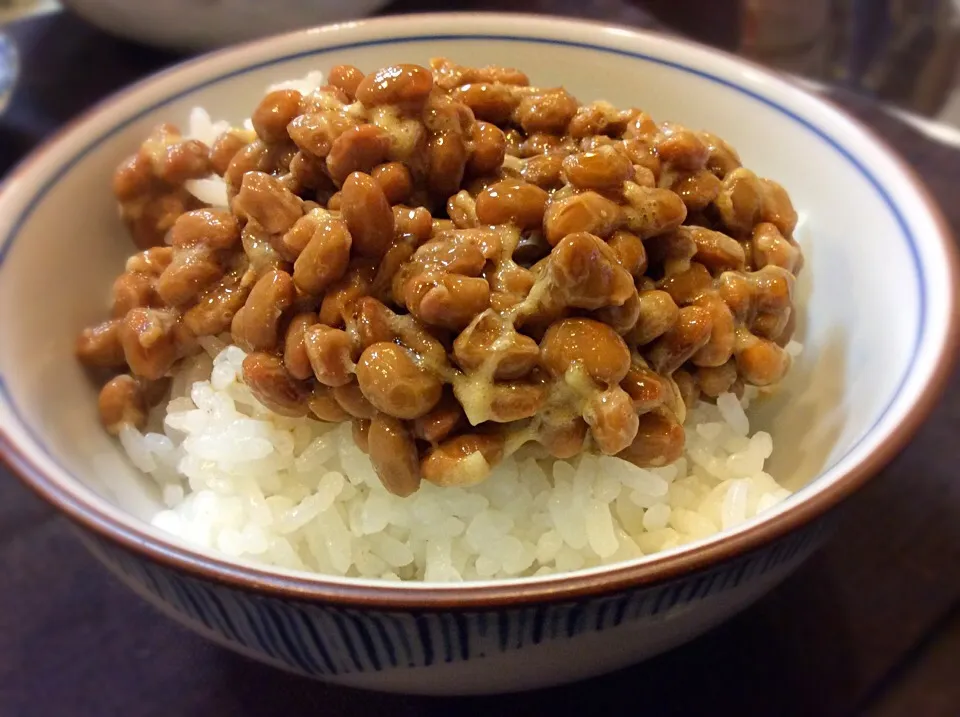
(561, 587)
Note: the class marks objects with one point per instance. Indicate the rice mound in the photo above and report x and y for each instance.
(297, 493)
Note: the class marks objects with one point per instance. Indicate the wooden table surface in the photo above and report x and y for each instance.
(869, 626)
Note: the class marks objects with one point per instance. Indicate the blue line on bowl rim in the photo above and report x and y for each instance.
(10, 238)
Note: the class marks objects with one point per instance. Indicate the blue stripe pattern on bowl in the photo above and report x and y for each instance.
(324, 640)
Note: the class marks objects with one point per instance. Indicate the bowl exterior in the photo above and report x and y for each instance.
(462, 652)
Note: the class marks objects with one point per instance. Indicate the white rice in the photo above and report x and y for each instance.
(201, 126)
(298, 494)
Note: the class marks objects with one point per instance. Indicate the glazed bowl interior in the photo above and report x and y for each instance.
(875, 295)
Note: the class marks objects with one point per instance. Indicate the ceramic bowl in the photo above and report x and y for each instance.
(879, 323)
(193, 25)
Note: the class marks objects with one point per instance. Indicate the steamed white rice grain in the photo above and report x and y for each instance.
(201, 126)
(299, 494)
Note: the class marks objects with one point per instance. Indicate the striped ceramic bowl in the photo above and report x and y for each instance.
(879, 306)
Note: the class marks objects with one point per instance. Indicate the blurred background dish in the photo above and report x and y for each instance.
(193, 25)
(8, 69)
(11, 10)
(903, 52)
